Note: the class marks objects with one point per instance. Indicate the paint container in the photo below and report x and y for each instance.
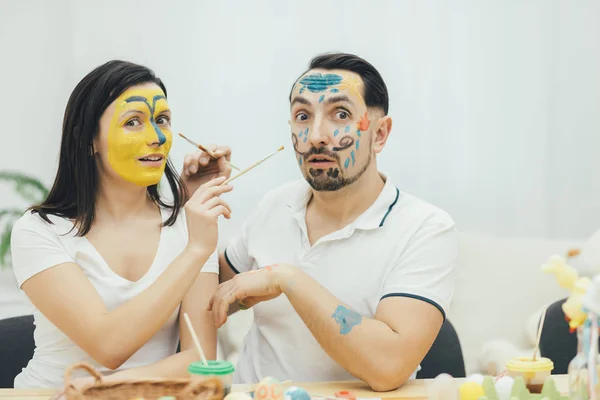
(534, 373)
(344, 394)
(215, 369)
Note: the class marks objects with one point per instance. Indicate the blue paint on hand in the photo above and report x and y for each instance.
(321, 98)
(347, 163)
(346, 318)
(357, 142)
(318, 82)
(336, 132)
(347, 128)
(352, 154)
(334, 90)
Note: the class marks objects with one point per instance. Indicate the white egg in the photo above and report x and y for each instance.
(477, 378)
(504, 387)
(443, 387)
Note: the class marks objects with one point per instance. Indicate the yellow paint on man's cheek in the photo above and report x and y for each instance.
(126, 146)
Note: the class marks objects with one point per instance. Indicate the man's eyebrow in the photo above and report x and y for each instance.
(301, 100)
(338, 99)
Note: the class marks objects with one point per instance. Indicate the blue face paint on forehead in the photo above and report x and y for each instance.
(318, 83)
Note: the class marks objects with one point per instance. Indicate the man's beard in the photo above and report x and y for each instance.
(330, 180)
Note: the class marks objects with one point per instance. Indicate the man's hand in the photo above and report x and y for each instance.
(249, 289)
(199, 167)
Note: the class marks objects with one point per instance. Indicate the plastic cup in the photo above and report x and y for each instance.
(534, 373)
(215, 369)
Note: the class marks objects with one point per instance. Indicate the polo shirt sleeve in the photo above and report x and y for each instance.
(236, 252)
(35, 248)
(425, 269)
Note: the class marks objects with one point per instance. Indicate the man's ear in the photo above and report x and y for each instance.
(380, 137)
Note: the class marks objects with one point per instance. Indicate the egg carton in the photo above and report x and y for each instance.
(520, 392)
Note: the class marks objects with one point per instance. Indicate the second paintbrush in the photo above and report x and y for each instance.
(204, 149)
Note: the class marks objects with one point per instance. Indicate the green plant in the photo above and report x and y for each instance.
(32, 191)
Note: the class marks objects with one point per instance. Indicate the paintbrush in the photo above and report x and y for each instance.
(539, 335)
(252, 166)
(207, 151)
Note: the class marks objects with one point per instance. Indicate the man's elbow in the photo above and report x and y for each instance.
(386, 378)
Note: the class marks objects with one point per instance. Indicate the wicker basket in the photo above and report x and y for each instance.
(147, 389)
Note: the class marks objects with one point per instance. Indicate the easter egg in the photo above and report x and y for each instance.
(443, 387)
(470, 391)
(504, 387)
(477, 378)
(269, 388)
(238, 396)
(296, 393)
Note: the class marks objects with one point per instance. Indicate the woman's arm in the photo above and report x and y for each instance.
(195, 304)
(69, 300)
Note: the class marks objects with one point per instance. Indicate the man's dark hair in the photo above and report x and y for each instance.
(375, 91)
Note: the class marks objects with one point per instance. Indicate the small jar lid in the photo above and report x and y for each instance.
(214, 367)
(526, 364)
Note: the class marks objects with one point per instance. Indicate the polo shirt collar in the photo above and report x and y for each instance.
(373, 218)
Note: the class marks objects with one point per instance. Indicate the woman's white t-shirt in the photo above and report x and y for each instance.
(37, 246)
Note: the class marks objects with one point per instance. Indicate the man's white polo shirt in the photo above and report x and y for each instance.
(400, 246)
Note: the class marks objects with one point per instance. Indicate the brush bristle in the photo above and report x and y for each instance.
(279, 149)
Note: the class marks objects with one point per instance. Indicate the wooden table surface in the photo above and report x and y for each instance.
(412, 390)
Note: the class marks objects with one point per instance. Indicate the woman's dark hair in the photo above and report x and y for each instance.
(73, 194)
(375, 90)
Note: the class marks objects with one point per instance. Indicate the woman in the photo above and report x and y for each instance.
(109, 265)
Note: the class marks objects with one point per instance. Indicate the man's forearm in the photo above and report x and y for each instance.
(367, 348)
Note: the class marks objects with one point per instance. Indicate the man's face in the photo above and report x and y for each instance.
(330, 128)
(136, 137)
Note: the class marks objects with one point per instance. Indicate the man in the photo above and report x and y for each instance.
(347, 275)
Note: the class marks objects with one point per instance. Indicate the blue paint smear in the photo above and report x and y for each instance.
(347, 128)
(334, 90)
(336, 132)
(347, 163)
(162, 139)
(346, 318)
(300, 160)
(352, 154)
(305, 139)
(301, 90)
(300, 134)
(306, 133)
(321, 98)
(357, 142)
(318, 82)
(358, 132)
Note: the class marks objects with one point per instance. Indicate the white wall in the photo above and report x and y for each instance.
(496, 104)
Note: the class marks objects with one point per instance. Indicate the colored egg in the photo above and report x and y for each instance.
(470, 391)
(443, 387)
(504, 387)
(269, 389)
(296, 393)
(238, 396)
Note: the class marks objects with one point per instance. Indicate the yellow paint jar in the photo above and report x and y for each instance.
(533, 372)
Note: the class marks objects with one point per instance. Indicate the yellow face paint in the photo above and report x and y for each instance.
(139, 136)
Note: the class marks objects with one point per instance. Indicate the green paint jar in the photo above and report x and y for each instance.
(216, 368)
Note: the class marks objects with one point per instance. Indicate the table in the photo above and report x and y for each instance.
(412, 390)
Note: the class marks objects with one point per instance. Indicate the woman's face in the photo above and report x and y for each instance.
(135, 136)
